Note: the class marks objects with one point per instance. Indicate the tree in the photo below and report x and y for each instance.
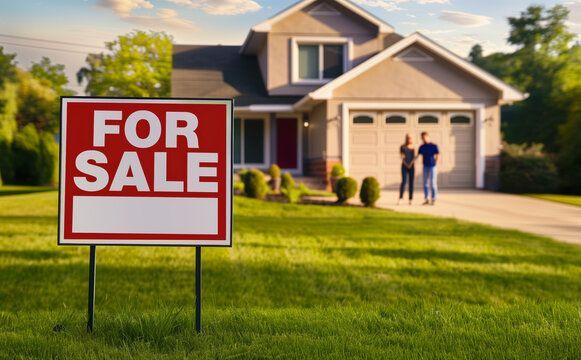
(138, 64)
(52, 76)
(543, 49)
(37, 104)
(7, 67)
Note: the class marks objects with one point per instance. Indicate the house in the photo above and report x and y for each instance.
(326, 82)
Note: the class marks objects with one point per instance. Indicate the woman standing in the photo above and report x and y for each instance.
(408, 171)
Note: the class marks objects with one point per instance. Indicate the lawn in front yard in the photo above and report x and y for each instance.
(318, 282)
(563, 199)
(23, 189)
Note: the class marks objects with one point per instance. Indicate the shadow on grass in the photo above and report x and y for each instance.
(22, 190)
(273, 284)
(34, 254)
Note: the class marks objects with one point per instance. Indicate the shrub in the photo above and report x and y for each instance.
(287, 181)
(255, 185)
(345, 189)
(26, 158)
(337, 170)
(526, 169)
(569, 159)
(238, 187)
(274, 171)
(292, 194)
(48, 155)
(370, 191)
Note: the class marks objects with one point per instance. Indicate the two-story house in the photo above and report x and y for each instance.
(324, 81)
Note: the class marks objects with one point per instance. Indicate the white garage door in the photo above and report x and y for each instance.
(375, 138)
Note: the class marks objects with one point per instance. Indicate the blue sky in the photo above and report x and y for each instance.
(457, 24)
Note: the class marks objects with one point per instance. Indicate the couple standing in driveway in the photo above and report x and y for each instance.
(430, 154)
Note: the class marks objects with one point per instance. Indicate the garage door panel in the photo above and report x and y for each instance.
(364, 159)
(367, 138)
(374, 151)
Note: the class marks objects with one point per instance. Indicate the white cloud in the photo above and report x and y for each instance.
(433, 1)
(163, 19)
(221, 7)
(125, 7)
(464, 19)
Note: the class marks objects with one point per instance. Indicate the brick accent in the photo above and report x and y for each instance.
(321, 169)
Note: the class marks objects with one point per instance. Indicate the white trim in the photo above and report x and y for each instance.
(266, 142)
(437, 115)
(265, 108)
(266, 26)
(479, 108)
(320, 41)
(326, 92)
(387, 114)
(468, 114)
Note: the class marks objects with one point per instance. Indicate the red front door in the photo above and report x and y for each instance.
(287, 143)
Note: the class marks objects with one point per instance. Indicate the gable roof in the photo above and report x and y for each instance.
(220, 71)
(509, 93)
(266, 25)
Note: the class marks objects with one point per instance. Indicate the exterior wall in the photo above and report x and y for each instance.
(262, 57)
(416, 81)
(365, 39)
(317, 133)
(435, 81)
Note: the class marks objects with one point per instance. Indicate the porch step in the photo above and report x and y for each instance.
(311, 182)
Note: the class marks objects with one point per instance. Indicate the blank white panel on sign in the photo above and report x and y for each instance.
(139, 215)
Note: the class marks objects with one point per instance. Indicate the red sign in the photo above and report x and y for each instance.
(145, 172)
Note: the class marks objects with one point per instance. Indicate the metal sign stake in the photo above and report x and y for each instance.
(198, 289)
(92, 275)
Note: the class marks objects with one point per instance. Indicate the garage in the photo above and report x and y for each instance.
(375, 137)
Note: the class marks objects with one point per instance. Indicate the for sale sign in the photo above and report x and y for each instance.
(145, 172)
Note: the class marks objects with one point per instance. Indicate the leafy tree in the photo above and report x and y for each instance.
(52, 76)
(543, 49)
(138, 64)
(7, 67)
(38, 104)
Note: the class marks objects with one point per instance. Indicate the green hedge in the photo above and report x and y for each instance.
(254, 184)
(370, 191)
(345, 189)
(527, 169)
(34, 157)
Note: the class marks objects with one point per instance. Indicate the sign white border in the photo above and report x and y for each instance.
(227, 242)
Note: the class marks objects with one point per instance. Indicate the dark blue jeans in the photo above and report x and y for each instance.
(407, 176)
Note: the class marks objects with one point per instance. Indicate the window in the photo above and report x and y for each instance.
(428, 119)
(460, 119)
(319, 62)
(362, 119)
(249, 141)
(395, 119)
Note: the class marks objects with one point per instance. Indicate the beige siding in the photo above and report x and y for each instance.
(317, 132)
(365, 38)
(435, 80)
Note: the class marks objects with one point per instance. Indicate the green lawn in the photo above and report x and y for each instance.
(21, 189)
(300, 282)
(564, 199)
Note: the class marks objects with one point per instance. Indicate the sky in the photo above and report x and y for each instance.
(66, 30)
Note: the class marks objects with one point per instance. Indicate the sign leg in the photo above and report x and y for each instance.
(92, 275)
(198, 289)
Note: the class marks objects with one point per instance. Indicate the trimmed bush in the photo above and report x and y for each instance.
(255, 185)
(274, 171)
(345, 189)
(370, 191)
(526, 169)
(337, 171)
(26, 158)
(287, 181)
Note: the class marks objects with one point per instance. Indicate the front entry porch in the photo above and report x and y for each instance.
(263, 139)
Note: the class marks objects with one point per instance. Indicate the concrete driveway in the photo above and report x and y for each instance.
(558, 221)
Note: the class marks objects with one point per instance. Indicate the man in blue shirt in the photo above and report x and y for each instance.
(430, 154)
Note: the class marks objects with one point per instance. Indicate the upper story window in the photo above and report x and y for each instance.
(319, 61)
